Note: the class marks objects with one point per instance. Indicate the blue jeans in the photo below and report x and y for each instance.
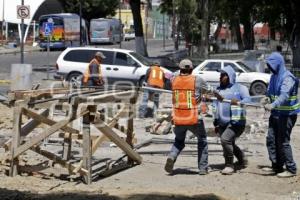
(199, 131)
(143, 107)
(278, 142)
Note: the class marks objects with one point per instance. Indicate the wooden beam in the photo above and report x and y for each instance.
(129, 131)
(113, 136)
(47, 121)
(86, 151)
(17, 121)
(33, 141)
(100, 139)
(52, 129)
(57, 159)
(33, 123)
(27, 128)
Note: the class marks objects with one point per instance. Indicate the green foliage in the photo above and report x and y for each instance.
(188, 23)
(91, 8)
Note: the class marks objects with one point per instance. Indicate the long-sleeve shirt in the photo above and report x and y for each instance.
(286, 87)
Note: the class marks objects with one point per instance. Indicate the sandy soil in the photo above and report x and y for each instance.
(44, 180)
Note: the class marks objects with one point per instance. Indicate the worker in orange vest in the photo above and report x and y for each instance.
(187, 90)
(155, 78)
(93, 75)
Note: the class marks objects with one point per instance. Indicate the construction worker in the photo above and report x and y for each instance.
(187, 90)
(155, 78)
(230, 118)
(93, 75)
(284, 106)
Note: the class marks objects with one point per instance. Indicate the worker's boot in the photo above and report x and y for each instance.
(169, 165)
(228, 170)
(171, 159)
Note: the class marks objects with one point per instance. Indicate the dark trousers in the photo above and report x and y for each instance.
(228, 136)
(278, 142)
(199, 131)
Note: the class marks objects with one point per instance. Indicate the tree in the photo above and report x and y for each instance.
(91, 8)
(295, 37)
(140, 45)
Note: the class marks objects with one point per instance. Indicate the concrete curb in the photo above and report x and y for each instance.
(4, 51)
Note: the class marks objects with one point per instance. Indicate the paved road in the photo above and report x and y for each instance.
(40, 58)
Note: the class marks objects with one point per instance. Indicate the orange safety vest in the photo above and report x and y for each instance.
(156, 77)
(185, 111)
(87, 73)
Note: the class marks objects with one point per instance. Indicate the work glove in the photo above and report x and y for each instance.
(206, 97)
(265, 100)
(217, 95)
(234, 102)
(268, 107)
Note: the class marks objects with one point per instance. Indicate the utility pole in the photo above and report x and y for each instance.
(175, 32)
(3, 21)
(80, 22)
(121, 27)
(22, 38)
(146, 20)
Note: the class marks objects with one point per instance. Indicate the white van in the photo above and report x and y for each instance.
(120, 66)
(103, 30)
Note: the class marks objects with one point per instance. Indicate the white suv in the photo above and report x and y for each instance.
(257, 82)
(119, 67)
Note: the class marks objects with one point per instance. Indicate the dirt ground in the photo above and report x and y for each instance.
(44, 180)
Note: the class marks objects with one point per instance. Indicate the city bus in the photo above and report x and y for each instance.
(66, 31)
(106, 30)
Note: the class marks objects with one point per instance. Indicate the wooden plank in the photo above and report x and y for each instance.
(100, 139)
(86, 151)
(113, 136)
(26, 129)
(33, 141)
(52, 129)
(47, 121)
(57, 159)
(67, 146)
(129, 131)
(17, 121)
(33, 123)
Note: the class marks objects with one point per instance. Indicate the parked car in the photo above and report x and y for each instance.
(165, 62)
(257, 82)
(129, 35)
(119, 67)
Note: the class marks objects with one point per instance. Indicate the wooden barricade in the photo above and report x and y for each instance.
(35, 105)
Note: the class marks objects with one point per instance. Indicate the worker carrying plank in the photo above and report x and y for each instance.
(187, 91)
(284, 106)
(154, 77)
(230, 118)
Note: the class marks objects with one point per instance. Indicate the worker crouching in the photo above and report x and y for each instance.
(230, 118)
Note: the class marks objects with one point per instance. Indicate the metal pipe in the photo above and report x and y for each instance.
(22, 38)
(212, 98)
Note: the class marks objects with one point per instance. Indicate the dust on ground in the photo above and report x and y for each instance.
(45, 180)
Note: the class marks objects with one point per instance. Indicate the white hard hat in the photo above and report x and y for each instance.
(186, 64)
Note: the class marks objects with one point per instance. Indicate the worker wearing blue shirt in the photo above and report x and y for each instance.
(284, 106)
(230, 118)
